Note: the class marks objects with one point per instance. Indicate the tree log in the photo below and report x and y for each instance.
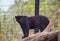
(44, 36)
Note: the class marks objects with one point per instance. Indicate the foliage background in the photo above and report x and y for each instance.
(10, 30)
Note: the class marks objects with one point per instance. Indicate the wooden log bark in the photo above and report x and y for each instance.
(44, 36)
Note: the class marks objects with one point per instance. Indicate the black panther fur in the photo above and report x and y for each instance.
(34, 22)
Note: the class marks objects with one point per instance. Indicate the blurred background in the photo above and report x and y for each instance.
(9, 29)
